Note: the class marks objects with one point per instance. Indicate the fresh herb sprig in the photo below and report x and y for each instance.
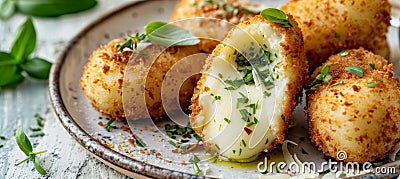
(277, 16)
(13, 63)
(25, 145)
(108, 125)
(161, 33)
(195, 160)
(44, 8)
(324, 76)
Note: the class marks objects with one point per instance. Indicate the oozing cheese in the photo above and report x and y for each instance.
(231, 134)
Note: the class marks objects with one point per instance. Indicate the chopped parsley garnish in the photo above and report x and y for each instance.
(250, 124)
(233, 151)
(108, 125)
(277, 16)
(39, 134)
(181, 146)
(337, 35)
(372, 66)
(267, 94)
(195, 88)
(194, 160)
(253, 106)
(140, 143)
(242, 100)
(343, 53)
(240, 151)
(2, 138)
(220, 75)
(227, 120)
(234, 84)
(283, 117)
(266, 142)
(378, 80)
(216, 98)
(173, 130)
(245, 115)
(39, 120)
(371, 85)
(255, 120)
(337, 83)
(216, 146)
(324, 76)
(244, 143)
(356, 70)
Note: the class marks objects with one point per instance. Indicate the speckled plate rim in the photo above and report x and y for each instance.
(115, 160)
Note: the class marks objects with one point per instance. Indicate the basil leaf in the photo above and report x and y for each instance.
(356, 70)
(277, 16)
(7, 9)
(38, 167)
(37, 68)
(53, 8)
(23, 142)
(25, 42)
(169, 35)
(9, 70)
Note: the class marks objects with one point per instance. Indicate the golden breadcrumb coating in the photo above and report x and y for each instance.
(329, 26)
(352, 116)
(215, 30)
(103, 77)
(104, 74)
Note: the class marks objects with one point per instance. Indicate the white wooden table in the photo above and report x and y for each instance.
(65, 157)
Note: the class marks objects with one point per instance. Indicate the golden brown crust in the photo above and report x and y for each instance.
(364, 122)
(103, 62)
(213, 30)
(104, 74)
(330, 26)
(295, 65)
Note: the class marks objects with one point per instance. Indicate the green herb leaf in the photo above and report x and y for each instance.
(337, 83)
(378, 80)
(169, 35)
(194, 160)
(23, 142)
(234, 84)
(38, 167)
(9, 70)
(277, 16)
(7, 9)
(108, 125)
(227, 120)
(37, 68)
(25, 41)
(343, 53)
(371, 85)
(245, 114)
(53, 8)
(325, 70)
(356, 70)
(372, 66)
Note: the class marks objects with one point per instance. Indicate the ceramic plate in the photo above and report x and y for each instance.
(157, 159)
